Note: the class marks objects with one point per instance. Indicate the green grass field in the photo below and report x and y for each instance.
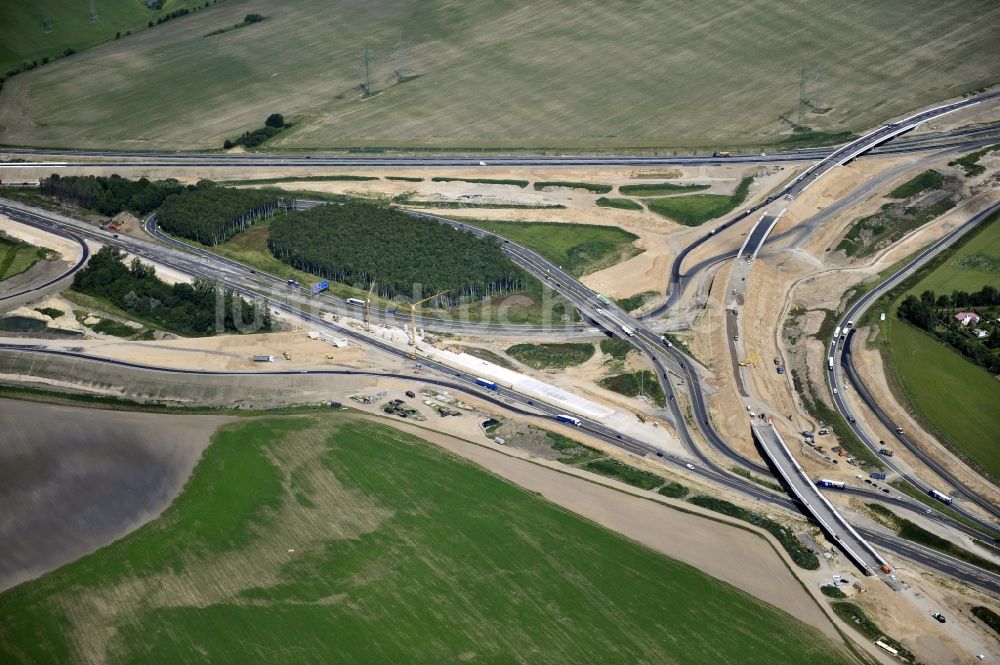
(927, 180)
(578, 248)
(616, 347)
(22, 38)
(699, 208)
(325, 539)
(659, 189)
(17, 256)
(552, 356)
(636, 384)
(952, 394)
(621, 204)
(975, 264)
(551, 74)
(636, 301)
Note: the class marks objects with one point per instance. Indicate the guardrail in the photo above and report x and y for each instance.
(822, 522)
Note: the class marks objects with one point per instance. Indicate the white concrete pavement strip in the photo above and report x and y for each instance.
(621, 421)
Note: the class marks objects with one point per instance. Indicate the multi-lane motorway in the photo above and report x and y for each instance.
(668, 362)
(840, 351)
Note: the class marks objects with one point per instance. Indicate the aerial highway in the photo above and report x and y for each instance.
(465, 383)
(707, 470)
(379, 314)
(59, 157)
(805, 490)
(35, 288)
(840, 350)
(830, 160)
(666, 360)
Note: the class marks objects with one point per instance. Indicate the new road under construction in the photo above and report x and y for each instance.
(695, 438)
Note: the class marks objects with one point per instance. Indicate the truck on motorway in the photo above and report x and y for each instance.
(829, 363)
(943, 498)
(486, 383)
(321, 286)
(877, 475)
(836, 334)
(722, 153)
(604, 299)
(628, 331)
(885, 451)
(663, 338)
(263, 359)
(563, 418)
(356, 301)
(836, 484)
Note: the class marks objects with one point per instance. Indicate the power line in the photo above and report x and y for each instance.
(366, 62)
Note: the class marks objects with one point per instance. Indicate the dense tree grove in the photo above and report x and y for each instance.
(188, 309)
(408, 255)
(110, 195)
(936, 315)
(212, 215)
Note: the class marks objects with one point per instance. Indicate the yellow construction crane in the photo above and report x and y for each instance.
(752, 360)
(413, 315)
(368, 307)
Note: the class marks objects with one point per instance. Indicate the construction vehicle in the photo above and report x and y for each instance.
(328, 357)
(287, 355)
(885, 451)
(751, 360)
(413, 315)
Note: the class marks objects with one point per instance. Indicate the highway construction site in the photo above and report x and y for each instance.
(749, 331)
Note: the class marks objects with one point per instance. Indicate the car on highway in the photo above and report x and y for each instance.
(410, 394)
(690, 466)
(885, 489)
(940, 617)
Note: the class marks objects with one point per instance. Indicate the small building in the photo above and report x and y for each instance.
(965, 318)
(980, 333)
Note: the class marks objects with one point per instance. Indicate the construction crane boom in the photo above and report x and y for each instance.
(368, 307)
(413, 315)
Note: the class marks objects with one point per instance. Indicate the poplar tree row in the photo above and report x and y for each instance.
(410, 257)
(112, 194)
(212, 215)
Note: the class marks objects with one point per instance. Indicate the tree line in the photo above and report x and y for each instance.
(408, 256)
(196, 309)
(936, 315)
(274, 125)
(212, 215)
(110, 195)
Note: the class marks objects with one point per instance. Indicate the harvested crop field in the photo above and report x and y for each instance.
(329, 538)
(556, 73)
(73, 479)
